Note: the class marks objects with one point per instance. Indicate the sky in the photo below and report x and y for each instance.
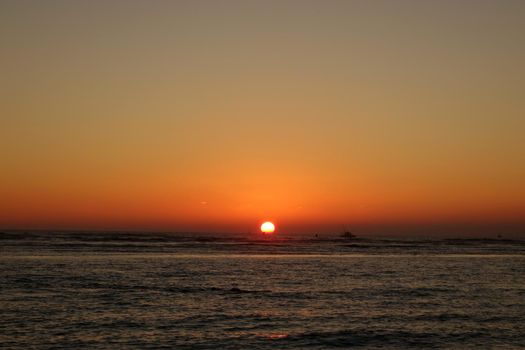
(389, 117)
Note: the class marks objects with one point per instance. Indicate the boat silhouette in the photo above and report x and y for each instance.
(347, 234)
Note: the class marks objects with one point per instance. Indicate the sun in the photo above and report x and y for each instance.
(267, 228)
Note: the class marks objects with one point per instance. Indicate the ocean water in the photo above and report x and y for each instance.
(188, 291)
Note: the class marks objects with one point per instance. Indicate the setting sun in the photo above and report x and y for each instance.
(267, 227)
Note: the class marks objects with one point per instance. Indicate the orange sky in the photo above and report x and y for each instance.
(402, 117)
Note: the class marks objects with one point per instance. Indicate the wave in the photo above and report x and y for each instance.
(400, 338)
(36, 242)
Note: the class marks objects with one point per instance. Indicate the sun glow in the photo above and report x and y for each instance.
(267, 228)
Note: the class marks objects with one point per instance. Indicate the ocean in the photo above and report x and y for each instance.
(104, 290)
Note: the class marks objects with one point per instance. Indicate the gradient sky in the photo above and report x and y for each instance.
(392, 117)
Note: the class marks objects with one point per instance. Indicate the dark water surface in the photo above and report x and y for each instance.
(107, 291)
